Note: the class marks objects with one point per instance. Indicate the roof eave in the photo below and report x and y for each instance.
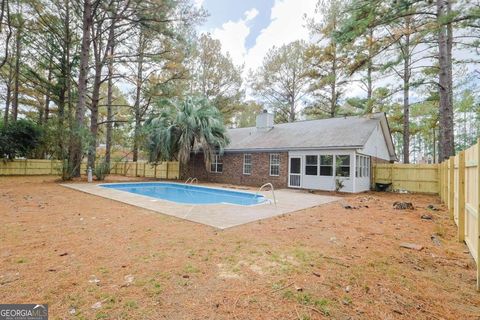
(292, 149)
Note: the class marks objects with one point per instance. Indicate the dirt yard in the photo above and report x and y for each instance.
(94, 258)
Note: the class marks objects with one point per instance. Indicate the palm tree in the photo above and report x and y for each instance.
(191, 125)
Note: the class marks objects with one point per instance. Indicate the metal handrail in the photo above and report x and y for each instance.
(271, 188)
(191, 180)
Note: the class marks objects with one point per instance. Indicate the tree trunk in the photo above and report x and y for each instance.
(40, 119)
(333, 102)
(108, 146)
(8, 97)
(16, 86)
(76, 141)
(450, 111)
(68, 79)
(446, 138)
(47, 96)
(136, 134)
(94, 115)
(138, 93)
(5, 16)
(100, 56)
(64, 80)
(291, 116)
(406, 94)
(369, 73)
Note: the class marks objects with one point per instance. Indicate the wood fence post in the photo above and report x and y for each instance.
(391, 174)
(451, 186)
(478, 214)
(445, 177)
(444, 183)
(447, 185)
(441, 181)
(461, 196)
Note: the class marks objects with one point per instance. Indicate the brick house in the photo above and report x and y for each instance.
(313, 154)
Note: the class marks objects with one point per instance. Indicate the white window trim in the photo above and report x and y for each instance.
(215, 163)
(362, 166)
(349, 166)
(320, 165)
(245, 163)
(317, 164)
(276, 164)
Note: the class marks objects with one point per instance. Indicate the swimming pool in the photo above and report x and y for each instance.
(188, 194)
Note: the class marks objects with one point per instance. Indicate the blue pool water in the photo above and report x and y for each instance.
(188, 194)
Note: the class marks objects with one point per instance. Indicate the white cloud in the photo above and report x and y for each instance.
(251, 14)
(232, 35)
(198, 3)
(287, 24)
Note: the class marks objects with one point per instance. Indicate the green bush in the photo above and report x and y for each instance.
(67, 170)
(339, 185)
(101, 170)
(19, 139)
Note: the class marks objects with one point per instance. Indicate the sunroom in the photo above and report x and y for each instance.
(329, 170)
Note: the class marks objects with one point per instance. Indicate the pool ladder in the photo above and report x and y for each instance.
(271, 188)
(191, 180)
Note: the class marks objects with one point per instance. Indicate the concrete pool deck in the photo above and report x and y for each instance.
(221, 216)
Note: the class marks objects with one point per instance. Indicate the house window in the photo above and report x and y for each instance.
(247, 164)
(362, 166)
(217, 164)
(367, 166)
(326, 165)
(274, 164)
(311, 165)
(342, 165)
(357, 166)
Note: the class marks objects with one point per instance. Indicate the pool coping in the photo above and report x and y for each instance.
(220, 216)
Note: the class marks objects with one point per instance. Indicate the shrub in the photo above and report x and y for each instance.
(339, 185)
(19, 139)
(67, 170)
(101, 170)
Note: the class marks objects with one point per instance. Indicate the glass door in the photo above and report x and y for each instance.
(295, 172)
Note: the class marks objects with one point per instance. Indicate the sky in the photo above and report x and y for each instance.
(247, 29)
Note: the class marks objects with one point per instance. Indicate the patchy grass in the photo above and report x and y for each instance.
(189, 268)
(323, 262)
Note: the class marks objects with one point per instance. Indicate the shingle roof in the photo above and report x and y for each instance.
(311, 134)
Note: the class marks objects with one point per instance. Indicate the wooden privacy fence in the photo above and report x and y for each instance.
(409, 177)
(164, 170)
(460, 191)
(30, 167)
(456, 180)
